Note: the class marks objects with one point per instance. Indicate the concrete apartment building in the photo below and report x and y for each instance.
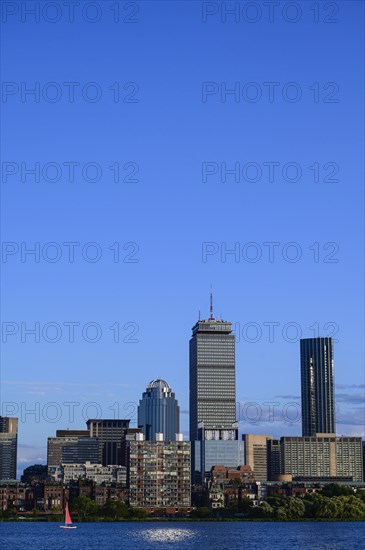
(321, 456)
(158, 473)
(324, 455)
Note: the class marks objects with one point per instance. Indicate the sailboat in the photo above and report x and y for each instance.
(68, 520)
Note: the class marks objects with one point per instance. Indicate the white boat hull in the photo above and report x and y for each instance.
(67, 526)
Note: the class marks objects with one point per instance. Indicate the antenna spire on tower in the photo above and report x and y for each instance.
(211, 318)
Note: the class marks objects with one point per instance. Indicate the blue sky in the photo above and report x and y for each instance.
(163, 221)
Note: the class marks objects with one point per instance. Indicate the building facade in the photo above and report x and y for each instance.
(110, 433)
(71, 450)
(323, 456)
(209, 453)
(94, 472)
(256, 449)
(317, 385)
(158, 411)
(8, 447)
(16, 496)
(273, 459)
(212, 379)
(212, 394)
(72, 433)
(159, 474)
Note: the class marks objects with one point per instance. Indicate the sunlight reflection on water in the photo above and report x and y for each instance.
(167, 535)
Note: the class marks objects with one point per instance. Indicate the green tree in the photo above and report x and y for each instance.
(115, 509)
(280, 513)
(275, 500)
(330, 508)
(84, 507)
(137, 513)
(264, 510)
(201, 513)
(294, 507)
(245, 505)
(336, 490)
(7, 514)
(309, 508)
(360, 493)
(352, 508)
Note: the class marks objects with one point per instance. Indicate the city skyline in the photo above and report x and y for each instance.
(271, 412)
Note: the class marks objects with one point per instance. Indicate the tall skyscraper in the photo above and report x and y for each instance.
(8, 447)
(317, 380)
(213, 426)
(110, 433)
(159, 412)
(212, 379)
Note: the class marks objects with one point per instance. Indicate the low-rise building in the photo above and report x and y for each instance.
(88, 471)
(216, 496)
(241, 474)
(16, 496)
(234, 484)
(54, 496)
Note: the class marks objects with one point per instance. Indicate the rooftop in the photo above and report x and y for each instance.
(158, 383)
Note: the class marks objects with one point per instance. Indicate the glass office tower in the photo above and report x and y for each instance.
(317, 381)
(159, 412)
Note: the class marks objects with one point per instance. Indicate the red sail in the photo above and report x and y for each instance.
(68, 517)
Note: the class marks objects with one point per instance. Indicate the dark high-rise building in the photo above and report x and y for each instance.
(273, 459)
(8, 447)
(159, 412)
(317, 380)
(110, 434)
(212, 379)
(72, 450)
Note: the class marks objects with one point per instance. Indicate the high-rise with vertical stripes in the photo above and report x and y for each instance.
(317, 381)
(212, 379)
(213, 425)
